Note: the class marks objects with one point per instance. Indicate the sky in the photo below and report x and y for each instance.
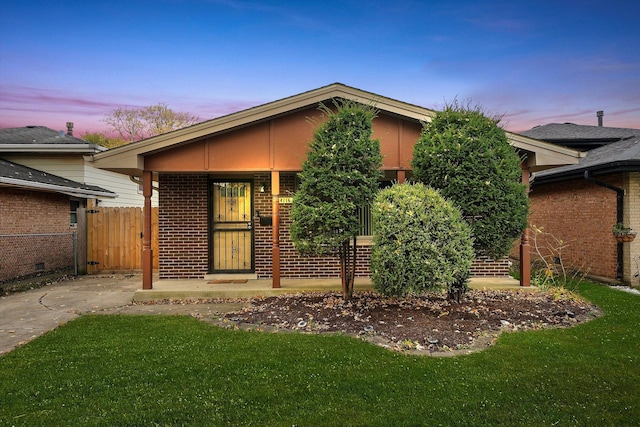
(531, 62)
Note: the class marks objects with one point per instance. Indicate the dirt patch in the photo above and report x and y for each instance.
(422, 324)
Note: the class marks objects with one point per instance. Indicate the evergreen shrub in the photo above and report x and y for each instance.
(421, 242)
(467, 156)
(339, 176)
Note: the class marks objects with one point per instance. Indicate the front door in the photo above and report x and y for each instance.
(231, 227)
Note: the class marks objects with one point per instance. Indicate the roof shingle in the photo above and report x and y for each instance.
(15, 173)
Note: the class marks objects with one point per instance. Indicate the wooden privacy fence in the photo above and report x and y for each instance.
(114, 239)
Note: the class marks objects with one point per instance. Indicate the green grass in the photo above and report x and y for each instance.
(121, 370)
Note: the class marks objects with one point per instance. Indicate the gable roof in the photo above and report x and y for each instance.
(616, 157)
(129, 159)
(42, 139)
(580, 136)
(15, 175)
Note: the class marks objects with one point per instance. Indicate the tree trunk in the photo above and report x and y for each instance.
(348, 268)
(352, 276)
(343, 269)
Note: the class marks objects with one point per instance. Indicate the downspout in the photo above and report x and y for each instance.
(619, 214)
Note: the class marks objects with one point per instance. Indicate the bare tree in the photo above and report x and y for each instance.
(134, 124)
(127, 123)
(161, 119)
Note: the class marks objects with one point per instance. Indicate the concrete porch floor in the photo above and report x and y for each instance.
(197, 289)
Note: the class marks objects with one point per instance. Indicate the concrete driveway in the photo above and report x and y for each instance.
(27, 315)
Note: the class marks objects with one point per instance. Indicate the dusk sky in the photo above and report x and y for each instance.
(535, 62)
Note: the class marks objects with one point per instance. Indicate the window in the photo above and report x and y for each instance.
(365, 218)
(231, 190)
(365, 215)
(73, 207)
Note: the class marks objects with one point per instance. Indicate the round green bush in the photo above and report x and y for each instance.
(421, 242)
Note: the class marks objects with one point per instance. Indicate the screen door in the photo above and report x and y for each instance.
(232, 227)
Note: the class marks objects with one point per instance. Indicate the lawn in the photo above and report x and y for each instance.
(121, 370)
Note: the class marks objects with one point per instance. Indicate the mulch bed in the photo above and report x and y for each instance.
(428, 324)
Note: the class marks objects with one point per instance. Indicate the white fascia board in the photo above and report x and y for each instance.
(546, 154)
(52, 148)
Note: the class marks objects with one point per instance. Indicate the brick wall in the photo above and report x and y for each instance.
(182, 231)
(183, 234)
(581, 214)
(292, 264)
(31, 212)
(25, 215)
(262, 233)
(488, 267)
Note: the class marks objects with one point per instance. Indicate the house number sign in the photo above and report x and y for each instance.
(285, 200)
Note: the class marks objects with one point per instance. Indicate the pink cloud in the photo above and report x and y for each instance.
(24, 106)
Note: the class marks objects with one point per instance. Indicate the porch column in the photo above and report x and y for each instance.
(401, 176)
(275, 226)
(147, 252)
(525, 249)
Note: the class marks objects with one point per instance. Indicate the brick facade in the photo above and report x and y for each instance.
(488, 267)
(34, 233)
(581, 214)
(183, 232)
(184, 238)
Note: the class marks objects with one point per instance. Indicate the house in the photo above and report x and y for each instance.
(37, 220)
(226, 185)
(62, 154)
(580, 203)
(579, 137)
(112, 236)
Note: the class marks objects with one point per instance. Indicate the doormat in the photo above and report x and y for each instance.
(217, 282)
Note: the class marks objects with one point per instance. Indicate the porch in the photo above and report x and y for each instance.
(247, 288)
(226, 188)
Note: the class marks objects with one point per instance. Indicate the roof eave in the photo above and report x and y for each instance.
(621, 166)
(545, 155)
(129, 158)
(52, 148)
(76, 192)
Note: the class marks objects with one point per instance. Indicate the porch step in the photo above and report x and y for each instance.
(200, 289)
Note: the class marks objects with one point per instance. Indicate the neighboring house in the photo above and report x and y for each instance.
(226, 185)
(580, 203)
(63, 154)
(579, 137)
(38, 219)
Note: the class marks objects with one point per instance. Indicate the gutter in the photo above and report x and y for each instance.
(138, 181)
(52, 148)
(620, 166)
(619, 215)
